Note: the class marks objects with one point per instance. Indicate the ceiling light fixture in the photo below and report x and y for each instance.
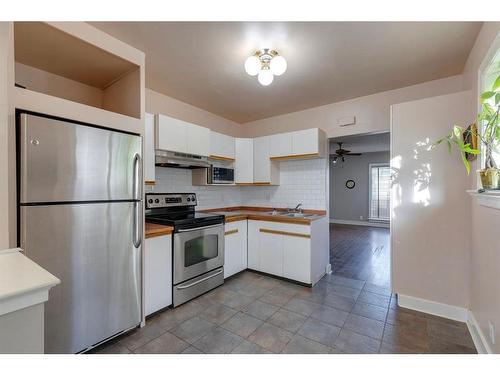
(265, 64)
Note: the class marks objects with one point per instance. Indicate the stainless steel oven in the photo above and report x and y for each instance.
(198, 261)
(218, 175)
(197, 250)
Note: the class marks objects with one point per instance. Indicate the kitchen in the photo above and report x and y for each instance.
(150, 225)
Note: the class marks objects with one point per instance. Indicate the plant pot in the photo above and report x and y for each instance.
(490, 178)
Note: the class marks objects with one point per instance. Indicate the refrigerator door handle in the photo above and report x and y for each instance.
(137, 193)
(137, 235)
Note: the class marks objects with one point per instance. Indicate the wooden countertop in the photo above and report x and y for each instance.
(233, 214)
(155, 230)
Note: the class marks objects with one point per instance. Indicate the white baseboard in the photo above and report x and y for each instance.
(355, 222)
(478, 336)
(460, 314)
(434, 308)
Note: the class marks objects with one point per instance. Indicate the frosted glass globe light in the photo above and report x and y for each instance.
(252, 65)
(265, 77)
(278, 65)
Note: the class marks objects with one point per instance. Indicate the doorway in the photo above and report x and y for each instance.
(360, 183)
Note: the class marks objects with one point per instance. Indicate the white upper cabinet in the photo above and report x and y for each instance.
(198, 140)
(149, 149)
(181, 136)
(221, 146)
(264, 170)
(243, 161)
(282, 145)
(309, 142)
(171, 134)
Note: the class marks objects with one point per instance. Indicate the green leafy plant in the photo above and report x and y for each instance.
(489, 136)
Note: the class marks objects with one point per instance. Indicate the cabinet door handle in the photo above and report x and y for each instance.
(283, 233)
(232, 231)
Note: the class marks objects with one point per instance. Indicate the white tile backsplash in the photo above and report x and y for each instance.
(301, 181)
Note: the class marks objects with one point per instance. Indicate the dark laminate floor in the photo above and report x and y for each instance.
(360, 252)
(252, 313)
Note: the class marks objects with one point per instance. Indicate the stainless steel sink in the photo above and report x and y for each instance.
(298, 214)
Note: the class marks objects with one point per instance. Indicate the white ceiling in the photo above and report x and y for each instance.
(201, 63)
(362, 143)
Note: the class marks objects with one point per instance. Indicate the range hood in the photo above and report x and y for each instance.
(174, 159)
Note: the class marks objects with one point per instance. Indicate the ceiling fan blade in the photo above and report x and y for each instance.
(354, 154)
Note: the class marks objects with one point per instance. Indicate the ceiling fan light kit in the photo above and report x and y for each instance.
(265, 64)
(341, 153)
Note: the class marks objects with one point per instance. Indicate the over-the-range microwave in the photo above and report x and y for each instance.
(218, 175)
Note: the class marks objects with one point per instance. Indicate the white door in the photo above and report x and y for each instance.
(235, 248)
(244, 160)
(221, 145)
(261, 161)
(281, 145)
(198, 140)
(297, 258)
(149, 148)
(253, 245)
(171, 134)
(271, 253)
(305, 142)
(157, 273)
(430, 220)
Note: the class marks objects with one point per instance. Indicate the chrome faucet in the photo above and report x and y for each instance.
(297, 208)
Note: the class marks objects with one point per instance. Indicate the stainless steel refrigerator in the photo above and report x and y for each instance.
(80, 212)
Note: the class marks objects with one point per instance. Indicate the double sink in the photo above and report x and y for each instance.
(292, 214)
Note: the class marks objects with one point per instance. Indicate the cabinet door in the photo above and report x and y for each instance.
(149, 148)
(198, 140)
(305, 142)
(271, 253)
(157, 273)
(261, 161)
(297, 258)
(281, 145)
(221, 145)
(235, 250)
(171, 134)
(244, 160)
(253, 245)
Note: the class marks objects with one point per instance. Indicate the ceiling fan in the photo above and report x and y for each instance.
(341, 153)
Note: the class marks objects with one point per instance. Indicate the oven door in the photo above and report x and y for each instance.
(197, 251)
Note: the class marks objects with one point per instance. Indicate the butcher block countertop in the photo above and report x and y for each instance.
(155, 230)
(233, 214)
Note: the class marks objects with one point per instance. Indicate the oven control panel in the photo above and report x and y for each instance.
(160, 200)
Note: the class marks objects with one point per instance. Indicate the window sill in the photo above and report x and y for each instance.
(489, 198)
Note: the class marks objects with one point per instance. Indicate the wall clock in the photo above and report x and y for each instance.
(350, 184)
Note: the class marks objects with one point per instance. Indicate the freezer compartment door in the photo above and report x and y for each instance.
(90, 248)
(66, 162)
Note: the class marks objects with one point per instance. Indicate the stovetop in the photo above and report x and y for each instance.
(182, 218)
(177, 210)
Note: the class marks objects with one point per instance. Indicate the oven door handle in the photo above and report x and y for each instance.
(199, 228)
(200, 281)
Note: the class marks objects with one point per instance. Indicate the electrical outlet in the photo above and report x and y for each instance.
(361, 218)
(492, 332)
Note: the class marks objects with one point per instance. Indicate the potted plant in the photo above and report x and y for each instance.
(466, 140)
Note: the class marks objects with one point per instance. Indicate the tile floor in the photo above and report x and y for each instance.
(252, 313)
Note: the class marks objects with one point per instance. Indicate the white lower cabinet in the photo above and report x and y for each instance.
(235, 247)
(157, 273)
(297, 258)
(280, 249)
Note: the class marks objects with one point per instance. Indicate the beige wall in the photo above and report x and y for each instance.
(372, 111)
(485, 249)
(431, 209)
(166, 105)
(7, 151)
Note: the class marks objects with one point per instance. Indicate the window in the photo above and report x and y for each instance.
(489, 72)
(380, 189)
